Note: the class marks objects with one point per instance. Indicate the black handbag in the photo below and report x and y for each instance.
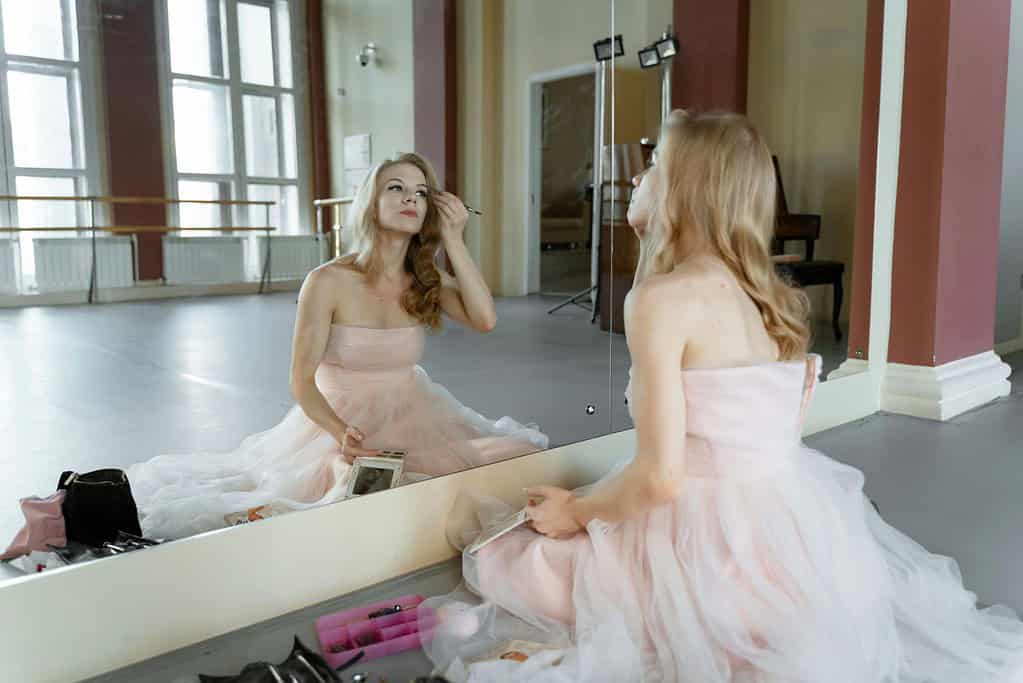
(97, 505)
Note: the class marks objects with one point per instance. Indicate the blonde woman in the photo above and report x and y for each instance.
(724, 550)
(359, 334)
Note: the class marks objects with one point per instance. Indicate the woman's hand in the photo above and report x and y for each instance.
(453, 216)
(351, 446)
(553, 516)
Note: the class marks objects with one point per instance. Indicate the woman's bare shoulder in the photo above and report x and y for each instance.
(334, 272)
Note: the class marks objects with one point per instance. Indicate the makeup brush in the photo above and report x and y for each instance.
(468, 208)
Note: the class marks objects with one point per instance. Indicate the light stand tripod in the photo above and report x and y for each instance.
(605, 51)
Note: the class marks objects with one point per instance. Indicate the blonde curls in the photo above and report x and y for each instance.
(422, 299)
(717, 193)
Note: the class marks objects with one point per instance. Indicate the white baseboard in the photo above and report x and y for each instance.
(1011, 346)
(941, 393)
(851, 366)
(143, 292)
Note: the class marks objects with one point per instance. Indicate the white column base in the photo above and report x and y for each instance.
(851, 366)
(943, 392)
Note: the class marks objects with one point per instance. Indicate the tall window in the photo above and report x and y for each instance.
(230, 88)
(44, 148)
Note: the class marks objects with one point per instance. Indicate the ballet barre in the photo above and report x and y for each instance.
(335, 229)
(93, 229)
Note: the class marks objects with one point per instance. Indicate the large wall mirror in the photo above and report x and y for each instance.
(532, 114)
(230, 116)
(797, 70)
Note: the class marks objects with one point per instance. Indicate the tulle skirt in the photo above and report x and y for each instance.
(781, 576)
(297, 465)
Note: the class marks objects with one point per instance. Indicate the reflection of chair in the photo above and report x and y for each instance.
(806, 228)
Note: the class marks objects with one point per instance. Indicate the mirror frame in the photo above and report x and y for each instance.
(87, 620)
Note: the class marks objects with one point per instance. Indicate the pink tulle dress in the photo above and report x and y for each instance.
(372, 379)
(771, 566)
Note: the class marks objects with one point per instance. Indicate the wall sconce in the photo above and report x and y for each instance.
(367, 55)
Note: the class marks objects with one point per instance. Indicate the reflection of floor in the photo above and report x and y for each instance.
(110, 385)
(953, 487)
(564, 271)
(832, 352)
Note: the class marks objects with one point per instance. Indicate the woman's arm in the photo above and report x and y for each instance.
(466, 297)
(656, 329)
(312, 329)
(656, 322)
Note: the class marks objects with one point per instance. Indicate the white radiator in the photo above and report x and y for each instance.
(8, 266)
(291, 256)
(203, 260)
(65, 263)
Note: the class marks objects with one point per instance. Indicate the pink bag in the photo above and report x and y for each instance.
(44, 526)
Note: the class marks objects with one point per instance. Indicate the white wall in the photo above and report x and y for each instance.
(377, 99)
(1008, 325)
(805, 95)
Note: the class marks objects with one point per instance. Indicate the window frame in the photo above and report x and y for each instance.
(84, 108)
(239, 180)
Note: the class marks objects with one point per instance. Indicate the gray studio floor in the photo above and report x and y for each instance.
(89, 387)
(954, 487)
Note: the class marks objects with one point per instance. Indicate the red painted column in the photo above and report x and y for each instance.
(433, 51)
(134, 128)
(318, 105)
(710, 71)
(950, 169)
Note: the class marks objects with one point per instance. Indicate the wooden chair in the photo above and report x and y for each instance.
(806, 228)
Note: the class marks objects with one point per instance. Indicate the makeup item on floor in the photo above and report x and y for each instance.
(384, 453)
(495, 532)
(135, 542)
(354, 614)
(351, 662)
(35, 562)
(254, 514)
(75, 552)
(374, 641)
(44, 526)
(372, 631)
(97, 505)
(521, 651)
(302, 666)
(372, 474)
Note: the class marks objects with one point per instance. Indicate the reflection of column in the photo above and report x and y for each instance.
(863, 239)
(318, 122)
(599, 111)
(434, 82)
(940, 355)
(134, 128)
(714, 48)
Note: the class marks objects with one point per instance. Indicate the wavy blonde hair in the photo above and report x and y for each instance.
(717, 192)
(422, 299)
